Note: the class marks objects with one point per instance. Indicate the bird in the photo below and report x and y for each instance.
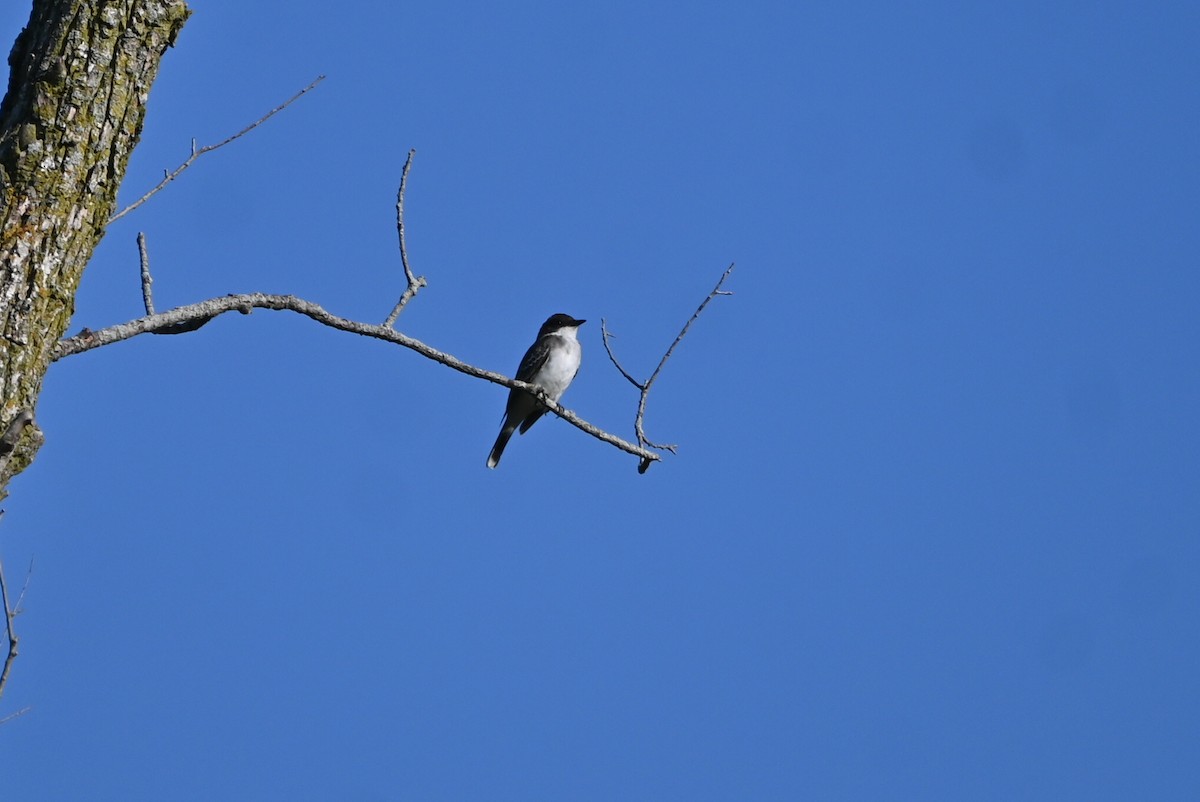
(551, 363)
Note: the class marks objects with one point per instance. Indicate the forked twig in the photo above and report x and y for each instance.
(644, 387)
(415, 283)
(168, 177)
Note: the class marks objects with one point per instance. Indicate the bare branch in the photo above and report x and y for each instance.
(9, 615)
(193, 316)
(644, 387)
(144, 257)
(148, 295)
(12, 636)
(199, 313)
(415, 283)
(198, 152)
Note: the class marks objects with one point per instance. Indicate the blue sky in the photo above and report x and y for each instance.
(934, 519)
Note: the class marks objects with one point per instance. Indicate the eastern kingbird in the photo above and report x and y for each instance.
(550, 363)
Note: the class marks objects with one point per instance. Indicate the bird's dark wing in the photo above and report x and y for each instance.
(520, 403)
(533, 360)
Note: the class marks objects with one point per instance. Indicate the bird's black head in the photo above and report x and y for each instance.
(559, 321)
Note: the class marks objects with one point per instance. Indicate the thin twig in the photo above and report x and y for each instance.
(644, 390)
(24, 587)
(168, 177)
(9, 615)
(183, 316)
(715, 292)
(415, 283)
(144, 257)
(12, 636)
(17, 714)
(604, 335)
(644, 387)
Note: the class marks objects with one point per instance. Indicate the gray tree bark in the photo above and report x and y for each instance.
(80, 74)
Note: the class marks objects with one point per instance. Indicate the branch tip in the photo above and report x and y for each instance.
(197, 152)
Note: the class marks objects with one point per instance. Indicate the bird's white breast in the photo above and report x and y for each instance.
(561, 366)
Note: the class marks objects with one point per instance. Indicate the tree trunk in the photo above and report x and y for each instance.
(76, 101)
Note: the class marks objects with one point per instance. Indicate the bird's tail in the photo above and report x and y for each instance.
(501, 442)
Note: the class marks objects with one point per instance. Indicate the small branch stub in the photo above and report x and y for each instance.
(147, 282)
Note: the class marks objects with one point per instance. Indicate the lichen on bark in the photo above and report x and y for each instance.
(80, 74)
